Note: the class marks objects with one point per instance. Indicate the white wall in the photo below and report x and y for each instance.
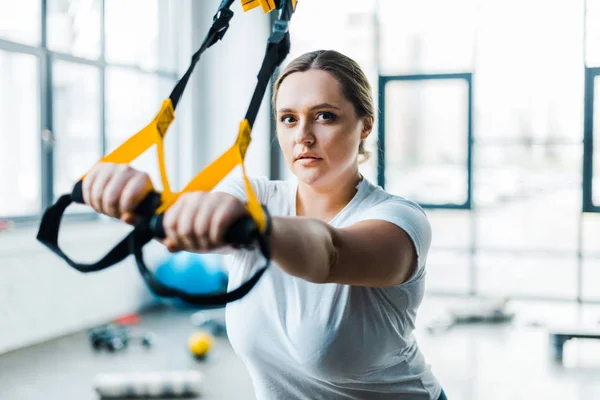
(40, 296)
(225, 79)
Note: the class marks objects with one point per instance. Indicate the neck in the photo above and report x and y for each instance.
(324, 203)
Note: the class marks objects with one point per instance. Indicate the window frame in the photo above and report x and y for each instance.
(466, 76)
(588, 204)
(46, 58)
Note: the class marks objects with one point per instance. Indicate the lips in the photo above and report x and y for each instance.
(307, 157)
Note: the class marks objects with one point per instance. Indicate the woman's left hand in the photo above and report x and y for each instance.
(198, 221)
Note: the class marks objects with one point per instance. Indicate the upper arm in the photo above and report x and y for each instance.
(384, 249)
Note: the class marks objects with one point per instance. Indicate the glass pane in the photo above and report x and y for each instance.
(77, 122)
(20, 189)
(506, 274)
(528, 197)
(142, 32)
(592, 38)
(133, 99)
(596, 166)
(528, 84)
(591, 278)
(451, 228)
(74, 27)
(426, 144)
(448, 271)
(20, 21)
(426, 37)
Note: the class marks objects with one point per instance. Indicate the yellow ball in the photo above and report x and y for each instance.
(200, 343)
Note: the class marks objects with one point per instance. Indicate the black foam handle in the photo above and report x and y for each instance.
(145, 209)
(242, 233)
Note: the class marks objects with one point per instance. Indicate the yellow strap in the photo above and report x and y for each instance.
(153, 133)
(210, 176)
(207, 179)
(267, 5)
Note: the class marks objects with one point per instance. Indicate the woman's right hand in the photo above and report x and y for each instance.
(116, 190)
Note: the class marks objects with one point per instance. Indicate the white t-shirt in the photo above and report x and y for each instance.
(302, 340)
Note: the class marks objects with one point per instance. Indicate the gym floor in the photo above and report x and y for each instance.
(510, 361)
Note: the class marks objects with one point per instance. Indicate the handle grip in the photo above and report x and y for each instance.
(242, 233)
(146, 207)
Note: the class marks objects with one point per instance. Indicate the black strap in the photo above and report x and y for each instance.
(278, 48)
(142, 235)
(215, 33)
(48, 235)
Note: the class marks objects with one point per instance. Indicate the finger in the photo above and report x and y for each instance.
(136, 188)
(172, 246)
(170, 224)
(113, 190)
(88, 182)
(202, 223)
(99, 186)
(187, 236)
(222, 219)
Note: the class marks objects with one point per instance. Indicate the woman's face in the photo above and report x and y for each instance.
(318, 128)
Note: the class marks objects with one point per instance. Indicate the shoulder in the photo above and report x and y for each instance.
(400, 211)
(269, 192)
(379, 203)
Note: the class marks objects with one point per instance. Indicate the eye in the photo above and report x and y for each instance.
(326, 116)
(288, 119)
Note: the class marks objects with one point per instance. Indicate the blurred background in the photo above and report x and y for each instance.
(486, 118)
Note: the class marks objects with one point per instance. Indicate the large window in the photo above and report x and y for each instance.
(506, 204)
(77, 78)
(425, 132)
(20, 186)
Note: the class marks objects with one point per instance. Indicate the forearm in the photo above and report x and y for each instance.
(303, 247)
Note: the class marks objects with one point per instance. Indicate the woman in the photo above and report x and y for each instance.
(334, 319)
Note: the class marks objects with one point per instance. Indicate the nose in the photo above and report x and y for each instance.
(304, 134)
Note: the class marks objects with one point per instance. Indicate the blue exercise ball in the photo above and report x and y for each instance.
(193, 273)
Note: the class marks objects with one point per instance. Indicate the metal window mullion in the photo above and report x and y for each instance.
(275, 161)
(57, 55)
(381, 131)
(15, 47)
(47, 127)
(588, 140)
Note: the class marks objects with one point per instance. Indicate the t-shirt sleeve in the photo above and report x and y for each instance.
(411, 218)
(235, 186)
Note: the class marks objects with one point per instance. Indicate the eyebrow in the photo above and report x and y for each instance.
(318, 106)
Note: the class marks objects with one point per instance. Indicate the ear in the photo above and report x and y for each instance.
(367, 127)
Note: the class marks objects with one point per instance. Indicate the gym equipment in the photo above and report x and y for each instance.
(559, 336)
(149, 384)
(248, 232)
(482, 311)
(192, 273)
(212, 321)
(114, 337)
(200, 344)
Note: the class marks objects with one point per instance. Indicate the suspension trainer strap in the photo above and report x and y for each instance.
(246, 230)
(132, 148)
(249, 230)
